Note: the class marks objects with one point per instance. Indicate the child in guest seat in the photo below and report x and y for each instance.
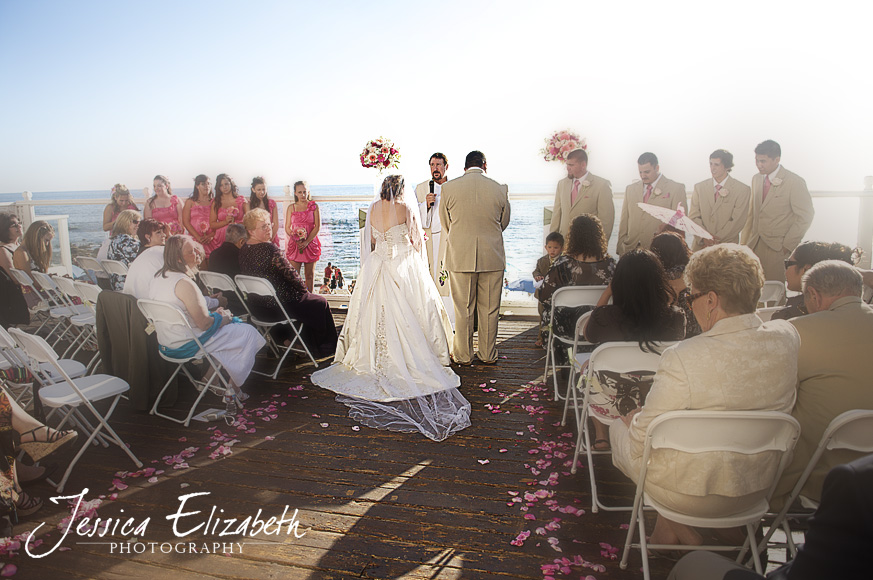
(554, 248)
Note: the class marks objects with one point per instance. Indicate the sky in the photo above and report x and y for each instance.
(93, 93)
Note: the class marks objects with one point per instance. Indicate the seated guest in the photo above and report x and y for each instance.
(585, 263)
(35, 250)
(839, 535)
(738, 363)
(225, 258)
(835, 367)
(804, 257)
(151, 234)
(641, 311)
(674, 254)
(13, 307)
(233, 344)
(261, 258)
(123, 245)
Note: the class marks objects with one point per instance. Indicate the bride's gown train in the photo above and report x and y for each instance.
(391, 365)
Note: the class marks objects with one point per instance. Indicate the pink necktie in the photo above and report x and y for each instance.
(766, 188)
(574, 195)
(717, 189)
(648, 193)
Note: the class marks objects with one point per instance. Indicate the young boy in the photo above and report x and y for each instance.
(554, 247)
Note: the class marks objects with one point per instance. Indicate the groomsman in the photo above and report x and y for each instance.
(780, 213)
(428, 195)
(720, 205)
(582, 192)
(474, 211)
(637, 228)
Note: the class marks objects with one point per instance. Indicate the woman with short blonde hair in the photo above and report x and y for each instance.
(123, 245)
(730, 271)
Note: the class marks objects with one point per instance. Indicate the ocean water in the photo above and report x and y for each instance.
(836, 220)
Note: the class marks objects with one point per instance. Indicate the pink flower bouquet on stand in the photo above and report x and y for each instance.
(381, 154)
(559, 145)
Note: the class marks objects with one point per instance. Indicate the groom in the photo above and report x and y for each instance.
(474, 211)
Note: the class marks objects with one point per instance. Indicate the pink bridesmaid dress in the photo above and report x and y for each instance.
(170, 216)
(200, 223)
(222, 215)
(302, 223)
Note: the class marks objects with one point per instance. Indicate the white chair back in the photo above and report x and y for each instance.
(89, 293)
(36, 347)
(625, 357)
(577, 296)
(767, 313)
(50, 289)
(22, 278)
(67, 286)
(217, 281)
(256, 286)
(114, 267)
(745, 432)
(6, 341)
(162, 312)
(852, 430)
(772, 293)
(92, 268)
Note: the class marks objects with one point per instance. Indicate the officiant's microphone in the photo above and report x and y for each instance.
(430, 205)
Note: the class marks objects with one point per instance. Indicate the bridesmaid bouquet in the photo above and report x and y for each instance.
(380, 153)
(559, 145)
(300, 233)
(203, 227)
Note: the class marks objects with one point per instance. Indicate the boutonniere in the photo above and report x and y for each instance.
(658, 192)
(723, 192)
(586, 183)
(776, 181)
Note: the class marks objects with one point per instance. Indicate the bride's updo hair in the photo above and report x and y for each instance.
(392, 188)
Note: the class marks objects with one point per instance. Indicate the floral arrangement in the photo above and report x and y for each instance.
(300, 233)
(559, 145)
(380, 153)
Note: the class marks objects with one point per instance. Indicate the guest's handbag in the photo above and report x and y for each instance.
(631, 389)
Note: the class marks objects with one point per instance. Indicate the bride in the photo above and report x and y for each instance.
(392, 361)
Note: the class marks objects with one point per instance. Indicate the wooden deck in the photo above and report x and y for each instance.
(372, 504)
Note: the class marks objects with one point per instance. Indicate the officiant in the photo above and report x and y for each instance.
(427, 193)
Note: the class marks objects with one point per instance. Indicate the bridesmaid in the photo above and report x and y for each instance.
(228, 207)
(260, 199)
(302, 224)
(195, 214)
(163, 206)
(121, 200)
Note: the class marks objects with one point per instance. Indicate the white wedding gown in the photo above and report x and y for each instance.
(392, 360)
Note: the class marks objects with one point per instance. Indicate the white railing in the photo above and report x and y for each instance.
(25, 210)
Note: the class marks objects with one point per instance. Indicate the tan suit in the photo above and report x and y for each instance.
(595, 199)
(776, 226)
(474, 211)
(433, 230)
(638, 227)
(723, 217)
(835, 374)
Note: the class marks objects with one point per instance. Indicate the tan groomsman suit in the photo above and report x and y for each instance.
(834, 371)
(474, 211)
(430, 221)
(777, 224)
(638, 227)
(594, 198)
(723, 214)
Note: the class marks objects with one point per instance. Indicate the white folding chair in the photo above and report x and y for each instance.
(69, 394)
(773, 293)
(56, 309)
(161, 313)
(217, 282)
(86, 321)
(767, 313)
(92, 268)
(90, 293)
(568, 296)
(14, 356)
(703, 432)
(619, 357)
(852, 430)
(577, 361)
(261, 287)
(114, 267)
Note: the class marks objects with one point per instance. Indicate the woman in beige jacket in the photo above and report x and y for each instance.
(737, 364)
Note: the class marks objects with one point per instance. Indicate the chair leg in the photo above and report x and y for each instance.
(154, 410)
(631, 528)
(750, 541)
(644, 550)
